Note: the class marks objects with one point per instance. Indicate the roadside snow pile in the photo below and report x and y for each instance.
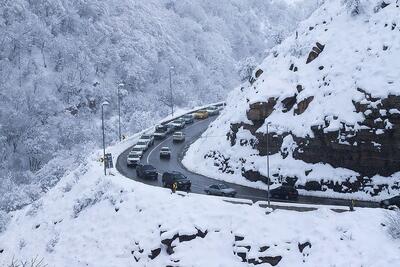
(331, 96)
(92, 220)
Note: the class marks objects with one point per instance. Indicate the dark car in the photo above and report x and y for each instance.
(188, 118)
(220, 190)
(284, 192)
(390, 203)
(170, 128)
(146, 172)
(182, 182)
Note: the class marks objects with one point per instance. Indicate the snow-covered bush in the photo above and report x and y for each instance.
(245, 68)
(354, 7)
(393, 224)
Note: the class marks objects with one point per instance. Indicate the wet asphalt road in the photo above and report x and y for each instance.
(199, 182)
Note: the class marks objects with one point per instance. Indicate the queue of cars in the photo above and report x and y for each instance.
(163, 130)
(168, 179)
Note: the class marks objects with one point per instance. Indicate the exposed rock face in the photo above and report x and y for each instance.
(252, 254)
(303, 105)
(334, 111)
(261, 110)
(315, 52)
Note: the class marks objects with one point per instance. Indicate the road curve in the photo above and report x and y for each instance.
(199, 182)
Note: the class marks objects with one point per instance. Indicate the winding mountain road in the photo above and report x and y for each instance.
(199, 182)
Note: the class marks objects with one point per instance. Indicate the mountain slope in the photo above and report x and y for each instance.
(91, 220)
(331, 96)
(60, 59)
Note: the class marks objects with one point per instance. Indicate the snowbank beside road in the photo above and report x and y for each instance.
(92, 220)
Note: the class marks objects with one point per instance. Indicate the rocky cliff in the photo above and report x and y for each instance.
(330, 95)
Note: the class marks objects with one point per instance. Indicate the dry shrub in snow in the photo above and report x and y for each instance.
(35, 262)
(393, 223)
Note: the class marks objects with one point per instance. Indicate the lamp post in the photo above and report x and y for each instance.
(170, 89)
(105, 103)
(119, 111)
(268, 180)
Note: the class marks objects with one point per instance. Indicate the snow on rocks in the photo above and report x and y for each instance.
(332, 88)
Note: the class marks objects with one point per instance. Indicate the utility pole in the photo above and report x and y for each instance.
(268, 180)
(119, 112)
(170, 89)
(105, 103)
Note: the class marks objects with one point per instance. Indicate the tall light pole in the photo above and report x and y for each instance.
(105, 103)
(170, 89)
(119, 111)
(268, 180)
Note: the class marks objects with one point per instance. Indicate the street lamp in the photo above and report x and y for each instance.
(105, 103)
(121, 85)
(170, 88)
(268, 180)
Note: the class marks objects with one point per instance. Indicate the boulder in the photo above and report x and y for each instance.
(303, 105)
(259, 111)
(288, 103)
(258, 73)
(315, 52)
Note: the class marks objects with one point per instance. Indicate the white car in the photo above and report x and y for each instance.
(161, 132)
(136, 151)
(148, 138)
(179, 123)
(212, 110)
(132, 160)
(178, 137)
(144, 145)
(165, 152)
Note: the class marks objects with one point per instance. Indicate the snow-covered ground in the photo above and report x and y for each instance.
(361, 51)
(92, 220)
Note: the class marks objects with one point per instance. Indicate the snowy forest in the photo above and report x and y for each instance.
(59, 59)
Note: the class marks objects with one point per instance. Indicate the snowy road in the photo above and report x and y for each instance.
(199, 182)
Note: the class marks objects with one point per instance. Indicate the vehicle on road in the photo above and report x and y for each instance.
(201, 114)
(182, 182)
(170, 128)
(179, 123)
(137, 151)
(148, 138)
(146, 172)
(143, 145)
(178, 137)
(132, 160)
(160, 132)
(391, 203)
(212, 110)
(284, 192)
(188, 118)
(165, 152)
(220, 190)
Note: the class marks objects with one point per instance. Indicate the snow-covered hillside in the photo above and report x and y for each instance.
(330, 94)
(60, 59)
(92, 220)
